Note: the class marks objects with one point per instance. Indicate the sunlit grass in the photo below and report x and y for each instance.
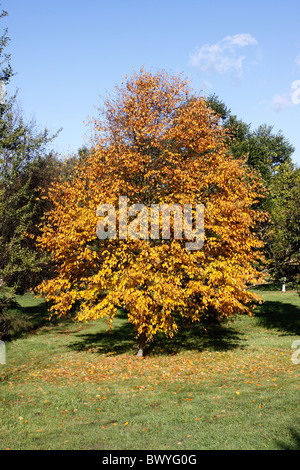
(78, 386)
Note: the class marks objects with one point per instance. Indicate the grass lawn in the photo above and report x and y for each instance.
(78, 386)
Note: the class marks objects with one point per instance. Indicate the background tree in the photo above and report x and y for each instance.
(265, 151)
(283, 236)
(271, 155)
(155, 145)
(26, 165)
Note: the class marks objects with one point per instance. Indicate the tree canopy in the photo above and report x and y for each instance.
(157, 144)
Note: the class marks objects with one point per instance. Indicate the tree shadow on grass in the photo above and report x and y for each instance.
(294, 444)
(283, 317)
(214, 338)
(21, 319)
(121, 339)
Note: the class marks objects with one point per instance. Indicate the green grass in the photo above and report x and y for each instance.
(78, 386)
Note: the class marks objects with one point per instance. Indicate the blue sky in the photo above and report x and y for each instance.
(70, 53)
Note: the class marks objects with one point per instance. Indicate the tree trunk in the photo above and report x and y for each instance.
(141, 344)
(213, 317)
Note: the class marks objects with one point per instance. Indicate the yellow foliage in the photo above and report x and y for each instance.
(156, 143)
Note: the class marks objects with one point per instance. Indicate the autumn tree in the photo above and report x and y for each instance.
(155, 144)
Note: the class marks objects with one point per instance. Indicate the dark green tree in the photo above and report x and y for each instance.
(271, 155)
(283, 236)
(26, 166)
(265, 151)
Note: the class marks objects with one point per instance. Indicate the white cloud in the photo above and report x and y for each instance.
(281, 102)
(240, 40)
(286, 100)
(224, 56)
